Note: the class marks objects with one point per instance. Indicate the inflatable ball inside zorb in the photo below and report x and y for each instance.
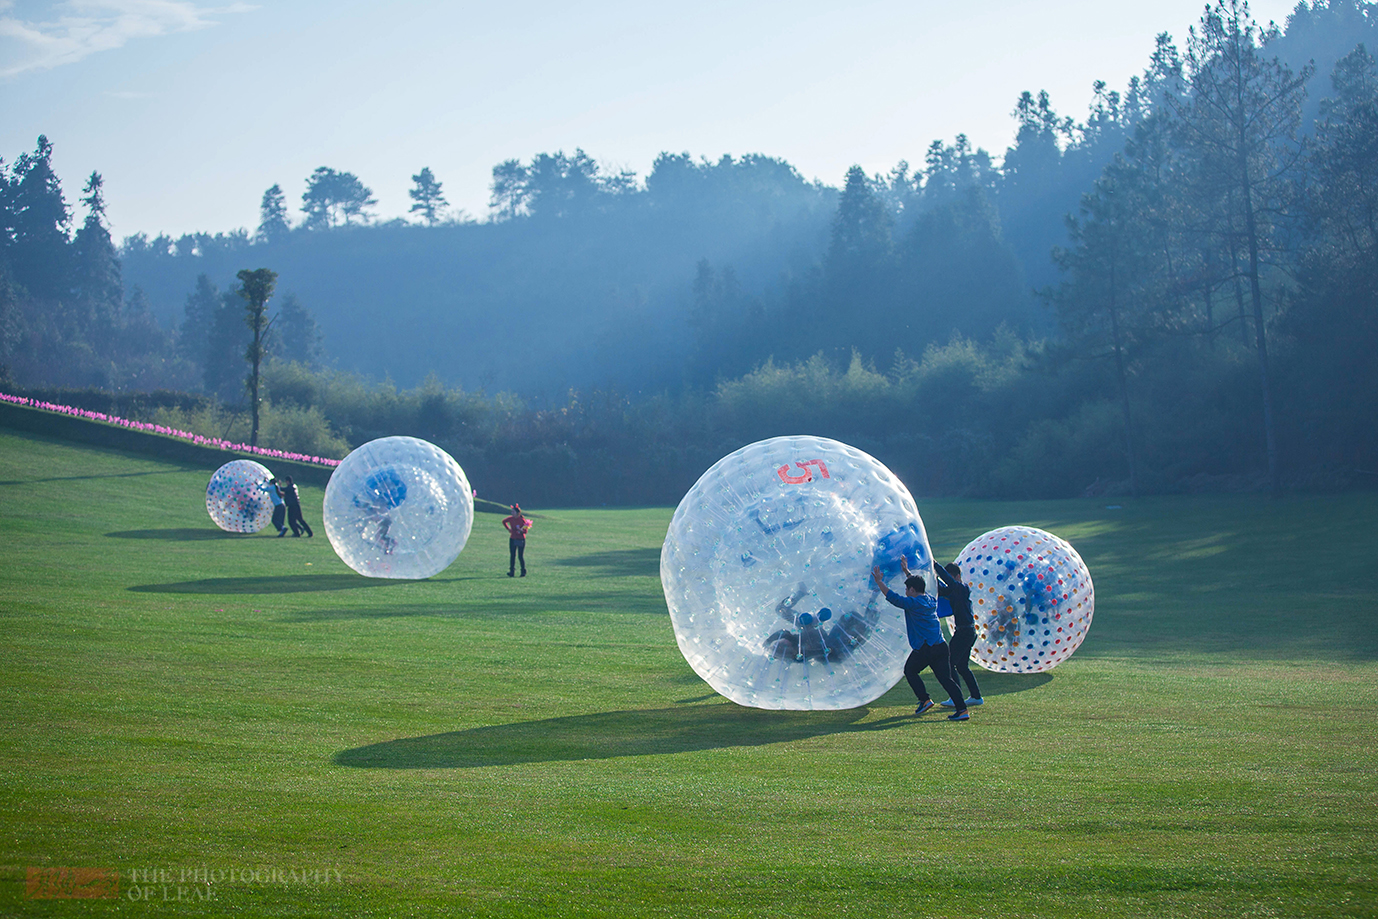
(1032, 598)
(767, 574)
(398, 507)
(237, 497)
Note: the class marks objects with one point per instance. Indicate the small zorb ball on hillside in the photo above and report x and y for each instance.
(237, 497)
(398, 507)
(767, 574)
(1032, 598)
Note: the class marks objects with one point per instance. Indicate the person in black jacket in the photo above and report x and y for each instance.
(958, 597)
(293, 502)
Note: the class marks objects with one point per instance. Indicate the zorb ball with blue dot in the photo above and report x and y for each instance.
(1032, 598)
(237, 497)
(398, 507)
(767, 574)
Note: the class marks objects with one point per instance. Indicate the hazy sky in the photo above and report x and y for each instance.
(190, 110)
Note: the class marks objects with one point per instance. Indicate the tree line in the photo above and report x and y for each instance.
(1175, 293)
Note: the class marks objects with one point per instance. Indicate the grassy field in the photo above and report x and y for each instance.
(183, 706)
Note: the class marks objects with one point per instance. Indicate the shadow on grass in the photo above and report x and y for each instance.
(992, 685)
(628, 603)
(606, 735)
(79, 478)
(180, 534)
(619, 562)
(683, 729)
(281, 584)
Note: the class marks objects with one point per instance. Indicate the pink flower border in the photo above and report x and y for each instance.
(197, 439)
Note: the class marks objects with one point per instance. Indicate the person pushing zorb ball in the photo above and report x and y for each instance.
(1031, 596)
(398, 507)
(237, 497)
(766, 569)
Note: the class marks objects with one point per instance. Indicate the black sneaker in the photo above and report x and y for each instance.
(924, 706)
(959, 716)
(511, 574)
(523, 572)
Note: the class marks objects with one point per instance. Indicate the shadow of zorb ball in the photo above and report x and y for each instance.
(767, 574)
(1032, 598)
(398, 507)
(237, 497)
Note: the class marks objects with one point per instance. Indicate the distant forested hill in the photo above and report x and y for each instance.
(564, 292)
(1178, 291)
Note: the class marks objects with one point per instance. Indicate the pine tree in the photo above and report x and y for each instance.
(296, 336)
(1239, 128)
(426, 195)
(510, 198)
(194, 335)
(332, 196)
(38, 223)
(99, 289)
(272, 223)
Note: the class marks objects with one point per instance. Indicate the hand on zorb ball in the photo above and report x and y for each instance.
(1031, 596)
(237, 497)
(398, 507)
(767, 574)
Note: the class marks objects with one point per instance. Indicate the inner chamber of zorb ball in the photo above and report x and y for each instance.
(767, 574)
(398, 507)
(1031, 596)
(237, 497)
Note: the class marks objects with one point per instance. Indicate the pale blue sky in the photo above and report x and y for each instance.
(191, 109)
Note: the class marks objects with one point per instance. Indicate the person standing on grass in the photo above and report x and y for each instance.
(517, 527)
(293, 502)
(956, 596)
(279, 508)
(925, 638)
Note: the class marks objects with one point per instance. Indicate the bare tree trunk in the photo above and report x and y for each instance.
(1260, 334)
(1124, 387)
(253, 384)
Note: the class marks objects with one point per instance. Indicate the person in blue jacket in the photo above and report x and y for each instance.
(279, 508)
(956, 597)
(926, 640)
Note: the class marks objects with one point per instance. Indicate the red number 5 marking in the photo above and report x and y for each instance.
(806, 475)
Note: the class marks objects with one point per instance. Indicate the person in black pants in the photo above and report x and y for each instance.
(517, 527)
(293, 502)
(279, 508)
(958, 596)
(926, 640)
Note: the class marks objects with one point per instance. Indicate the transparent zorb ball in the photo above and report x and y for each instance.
(1031, 596)
(237, 497)
(767, 573)
(398, 507)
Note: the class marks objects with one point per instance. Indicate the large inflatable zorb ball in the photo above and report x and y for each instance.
(767, 574)
(1032, 598)
(398, 507)
(237, 497)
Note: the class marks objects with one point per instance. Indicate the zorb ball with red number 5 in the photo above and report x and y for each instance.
(767, 574)
(1032, 598)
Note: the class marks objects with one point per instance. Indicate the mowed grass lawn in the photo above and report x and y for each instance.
(182, 704)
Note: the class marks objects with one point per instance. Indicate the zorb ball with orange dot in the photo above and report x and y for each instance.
(767, 574)
(1031, 596)
(237, 497)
